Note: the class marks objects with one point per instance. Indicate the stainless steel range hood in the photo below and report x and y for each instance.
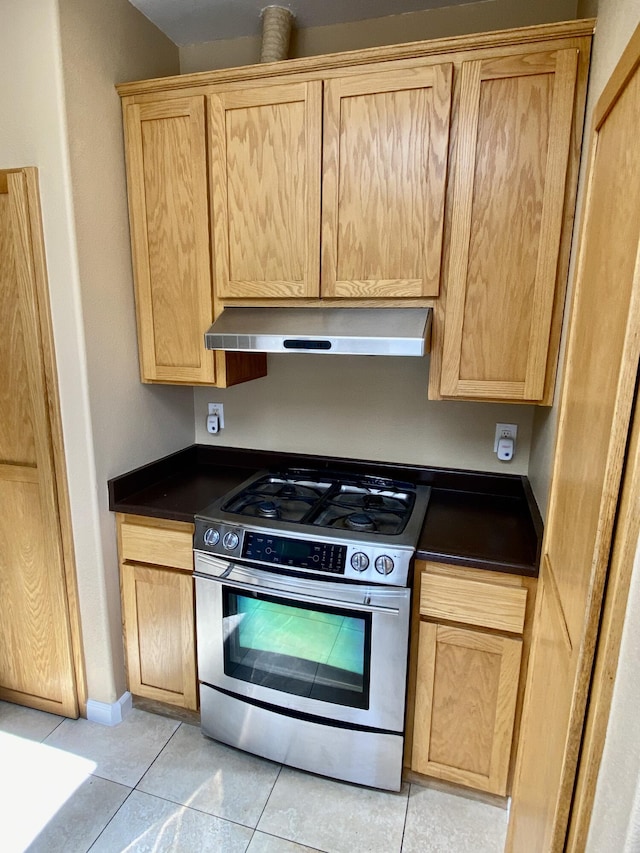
(341, 331)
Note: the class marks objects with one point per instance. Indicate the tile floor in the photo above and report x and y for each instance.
(154, 784)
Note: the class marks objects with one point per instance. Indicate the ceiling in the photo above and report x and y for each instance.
(195, 21)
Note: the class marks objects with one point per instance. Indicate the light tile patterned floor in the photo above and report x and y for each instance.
(153, 784)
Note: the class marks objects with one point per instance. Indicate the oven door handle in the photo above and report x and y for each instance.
(365, 605)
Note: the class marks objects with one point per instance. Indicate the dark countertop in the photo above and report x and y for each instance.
(480, 520)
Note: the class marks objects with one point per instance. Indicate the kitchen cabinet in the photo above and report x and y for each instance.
(169, 219)
(381, 144)
(468, 657)
(265, 187)
(510, 212)
(438, 173)
(385, 147)
(156, 565)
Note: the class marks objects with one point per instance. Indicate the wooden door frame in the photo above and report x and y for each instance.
(616, 535)
(622, 554)
(33, 225)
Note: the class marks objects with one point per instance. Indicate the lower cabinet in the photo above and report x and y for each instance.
(158, 609)
(468, 661)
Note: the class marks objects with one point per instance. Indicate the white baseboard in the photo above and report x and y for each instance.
(109, 714)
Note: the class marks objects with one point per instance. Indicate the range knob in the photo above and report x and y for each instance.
(211, 536)
(360, 561)
(231, 540)
(384, 565)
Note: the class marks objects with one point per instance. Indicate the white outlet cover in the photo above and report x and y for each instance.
(217, 409)
(505, 431)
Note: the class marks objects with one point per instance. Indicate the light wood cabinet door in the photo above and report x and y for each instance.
(36, 581)
(514, 132)
(385, 145)
(265, 158)
(158, 612)
(169, 215)
(466, 692)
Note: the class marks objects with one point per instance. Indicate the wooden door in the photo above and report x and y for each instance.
(386, 138)
(159, 623)
(169, 216)
(36, 654)
(265, 153)
(598, 392)
(514, 133)
(466, 692)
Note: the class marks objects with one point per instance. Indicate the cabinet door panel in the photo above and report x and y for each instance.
(160, 634)
(466, 693)
(386, 141)
(514, 136)
(265, 178)
(36, 655)
(167, 169)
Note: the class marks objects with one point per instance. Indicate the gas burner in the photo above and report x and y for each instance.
(375, 524)
(288, 490)
(268, 509)
(373, 502)
(360, 521)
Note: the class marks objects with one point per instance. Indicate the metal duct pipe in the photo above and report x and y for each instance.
(276, 30)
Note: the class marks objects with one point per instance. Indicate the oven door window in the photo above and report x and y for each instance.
(307, 650)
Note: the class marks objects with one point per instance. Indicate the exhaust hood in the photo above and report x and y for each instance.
(341, 331)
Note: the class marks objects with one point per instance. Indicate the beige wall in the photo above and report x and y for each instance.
(129, 423)
(362, 407)
(413, 26)
(70, 54)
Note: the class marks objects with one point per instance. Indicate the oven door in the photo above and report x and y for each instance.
(337, 651)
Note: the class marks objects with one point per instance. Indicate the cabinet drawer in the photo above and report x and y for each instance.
(168, 545)
(472, 602)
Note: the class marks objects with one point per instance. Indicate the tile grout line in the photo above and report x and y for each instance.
(406, 816)
(162, 749)
(131, 789)
(266, 803)
(112, 818)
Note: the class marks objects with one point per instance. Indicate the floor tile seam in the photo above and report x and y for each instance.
(131, 786)
(112, 818)
(56, 727)
(195, 809)
(406, 816)
(159, 753)
(266, 802)
(283, 838)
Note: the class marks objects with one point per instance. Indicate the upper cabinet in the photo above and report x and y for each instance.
(381, 146)
(265, 146)
(386, 140)
(514, 132)
(168, 210)
(436, 173)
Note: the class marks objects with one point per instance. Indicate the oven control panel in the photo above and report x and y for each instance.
(294, 553)
(354, 560)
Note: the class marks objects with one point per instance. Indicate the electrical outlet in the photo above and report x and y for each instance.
(217, 409)
(505, 431)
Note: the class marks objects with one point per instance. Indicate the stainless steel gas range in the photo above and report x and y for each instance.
(302, 614)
